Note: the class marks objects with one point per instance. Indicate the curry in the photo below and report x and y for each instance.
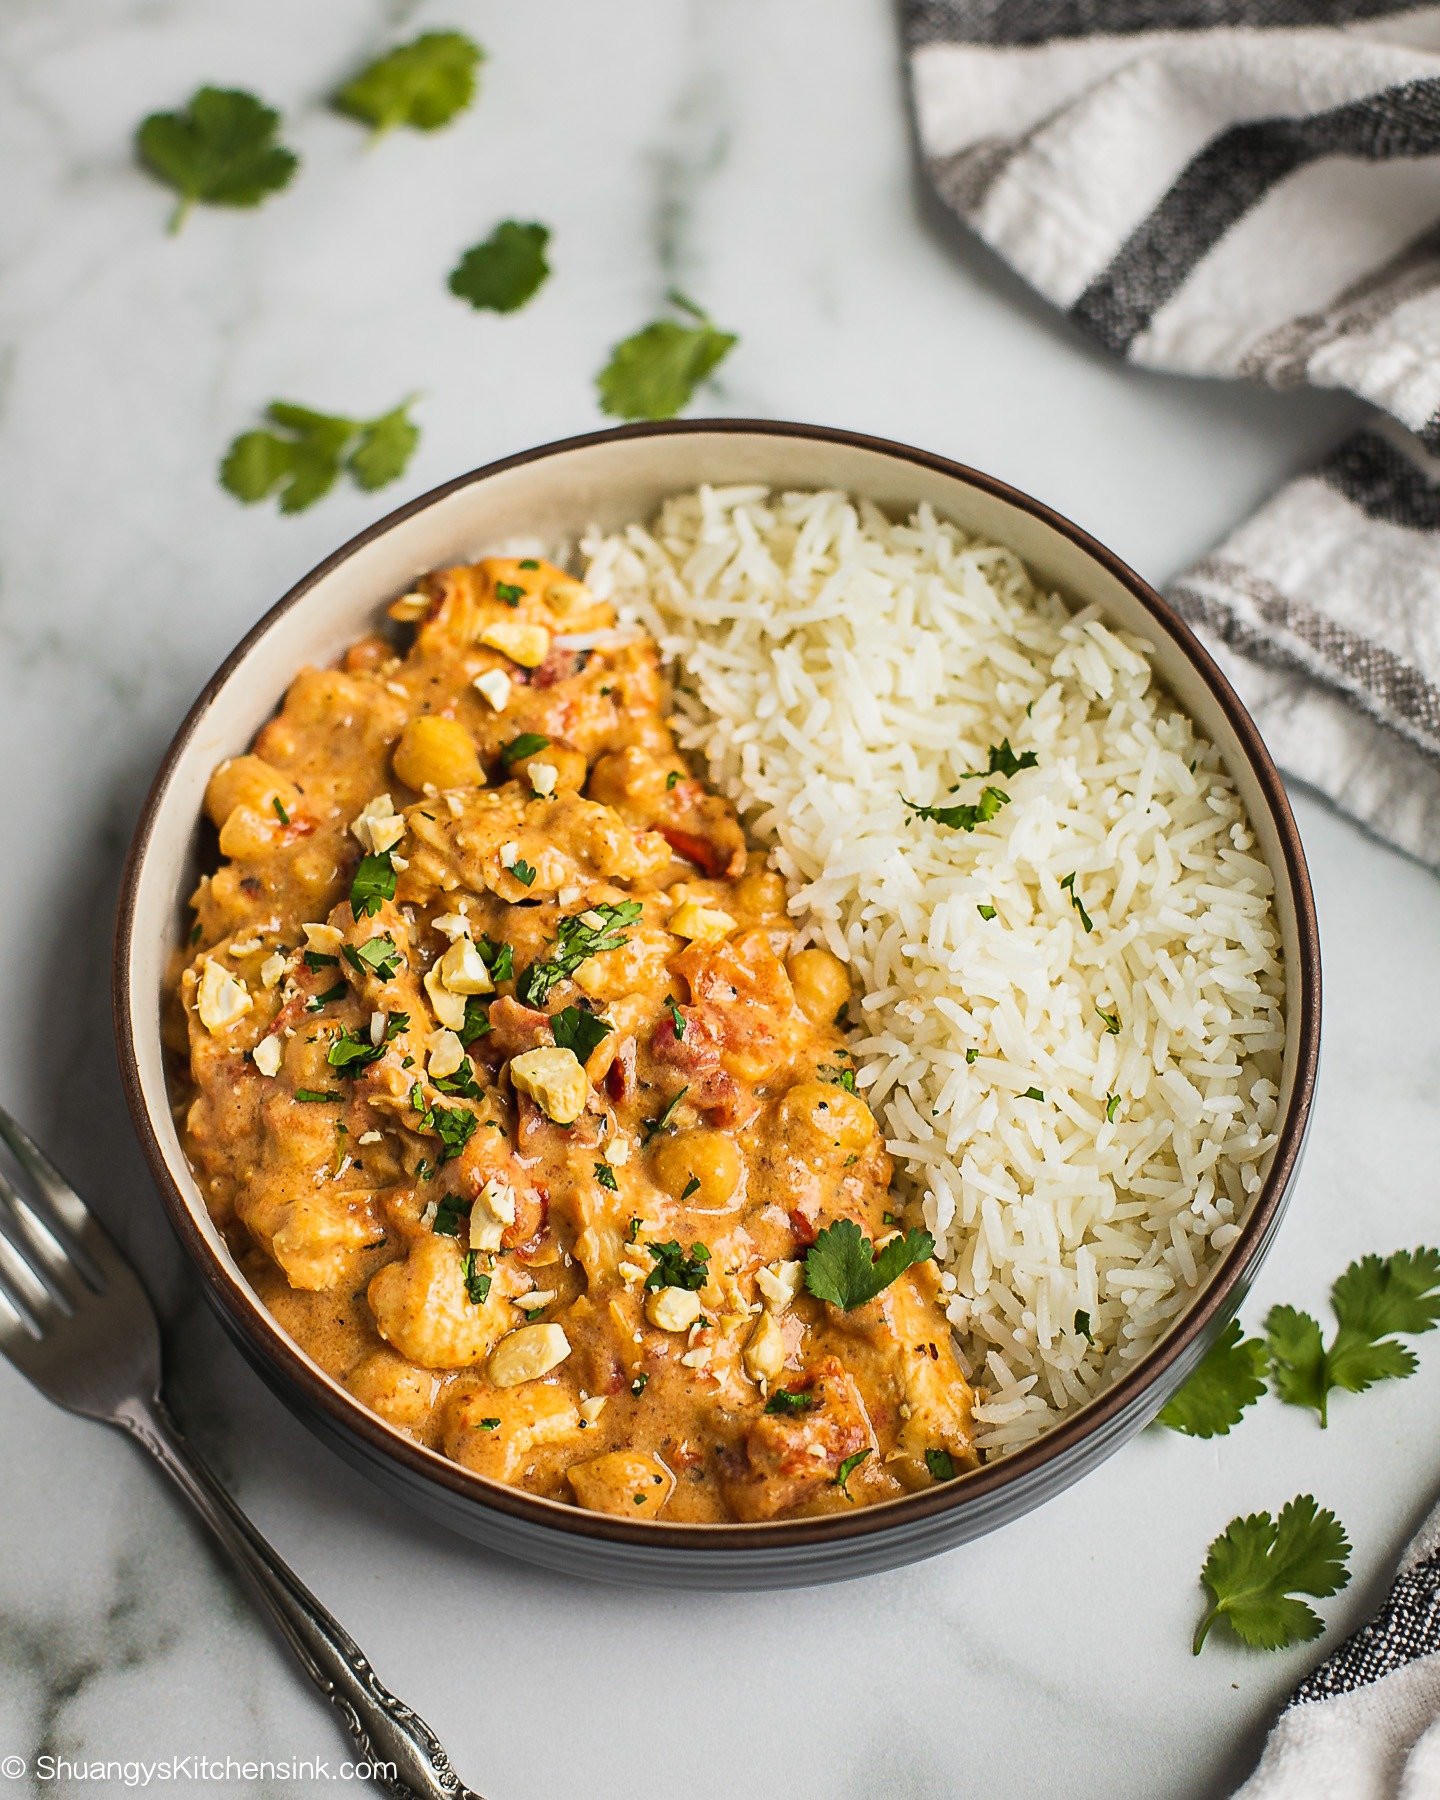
(500, 1068)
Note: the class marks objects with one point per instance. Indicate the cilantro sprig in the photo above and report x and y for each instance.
(220, 149)
(678, 1268)
(841, 1265)
(1002, 760)
(505, 271)
(579, 1031)
(423, 84)
(302, 457)
(654, 373)
(1229, 1379)
(372, 884)
(1257, 1567)
(1375, 1302)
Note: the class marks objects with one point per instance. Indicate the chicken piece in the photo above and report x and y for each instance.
(397, 1390)
(421, 1307)
(792, 1457)
(629, 1483)
(497, 1431)
(745, 1002)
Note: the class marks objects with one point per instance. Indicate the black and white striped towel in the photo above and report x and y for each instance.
(1252, 188)
(1366, 1724)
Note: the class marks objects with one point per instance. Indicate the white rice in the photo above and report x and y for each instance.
(830, 665)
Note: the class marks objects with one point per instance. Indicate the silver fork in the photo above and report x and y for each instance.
(75, 1320)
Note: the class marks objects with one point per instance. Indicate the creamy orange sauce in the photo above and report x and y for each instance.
(523, 1126)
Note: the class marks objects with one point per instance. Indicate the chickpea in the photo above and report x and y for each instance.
(704, 1156)
(821, 983)
(760, 894)
(437, 752)
(569, 765)
(247, 834)
(821, 1113)
(631, 778)
(251, 782)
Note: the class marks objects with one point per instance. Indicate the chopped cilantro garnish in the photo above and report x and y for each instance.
(673, 779)
(788, 1402)
(678, 1268)
(528, 743)
(941, 1465)
(528, 562)
(986, 912)
(639, 1384)
(632, 1231)
(373, 884)
(477, 1018)
(972, 1055)
(677, 1018)
(195, 932)
(605, 1175)
(841, 1265)
(351, 1054)
(511, 595)
(461, 1082)
(579, 1031)
(318, 1002)
(962, 817)
(654, 1127)
(378, 957)
(848, 1468)
(577, 938)
(692, 1186)
(280, 812)
(317, 1096)
(838, 1077)
(1002, 760)
(1033, 1093)
(1082, 1324)
(1112, 1021)
(1112, 1108)
(315, 959)
(488, 1424)
(477, 1285)
(450, 1216)
(498, 958)
(1068, 883)
(451, 1124)
(523, 872)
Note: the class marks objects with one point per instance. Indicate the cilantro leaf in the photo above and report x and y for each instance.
(423, 84)
(377, 956)
(1230, 1378)
(477, 1285)
(505, 271)
(1002, 760)
(789, 1402)
(848, 1468)
(961, 817)
(941, 1465)
(654, 373)
(1258, 1564)
(219, 151)
(1374, 1300)
(579, 1031)
(303, 457)
(605, 1175)
(675, 1267)
(653, 1127)
(527, 744)
(386, 444)
(841, 1265)
(1068, 884)
(352, 1054)
(577, 938)
(451, 1216)
(453, 1125)
(372, 884)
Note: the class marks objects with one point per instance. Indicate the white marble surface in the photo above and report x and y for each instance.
(755, 152)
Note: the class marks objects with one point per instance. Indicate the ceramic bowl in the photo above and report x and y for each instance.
(609, 479)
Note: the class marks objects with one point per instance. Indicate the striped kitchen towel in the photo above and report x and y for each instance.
(1251, 188)
(1366, 1724)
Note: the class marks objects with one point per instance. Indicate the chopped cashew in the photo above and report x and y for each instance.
(701, 924)
(452, 925)
(378, 827)
(221, 1000)
(527, 1354)
(463, 971)
(446, 1054)
(495, 684)
(448, 1008)
(779, 1283)
(527, 645)
(543, 777)
(324, 940)
(555, 1080)
(491, 1213)
(267, 1054)
(672, 1308)
(765, 1351)
(272, 970)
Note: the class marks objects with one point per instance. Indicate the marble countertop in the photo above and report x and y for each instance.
(757, 155)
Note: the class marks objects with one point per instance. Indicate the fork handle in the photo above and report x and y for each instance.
(383, 1728)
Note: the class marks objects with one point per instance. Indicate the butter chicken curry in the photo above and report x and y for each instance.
(518, 1106)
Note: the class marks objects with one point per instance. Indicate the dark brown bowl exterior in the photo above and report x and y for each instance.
(795, 1552)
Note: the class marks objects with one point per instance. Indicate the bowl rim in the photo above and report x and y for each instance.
(276, 1350)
